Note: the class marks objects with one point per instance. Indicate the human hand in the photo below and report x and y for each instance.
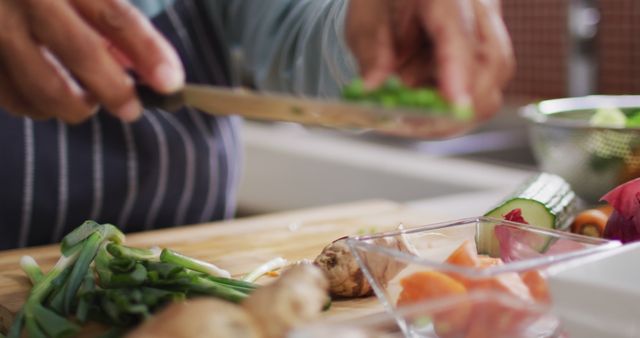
(462, 46)
(61, 58)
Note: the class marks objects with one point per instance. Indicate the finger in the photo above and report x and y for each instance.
(494, 40)
(35, 79)
(151, 55)
(493, 59)
(119, 56)
(11, 100)
(370, 38)
(81, 50)
(487, 85)
(447, 23)
(418, 69)
(487, 103)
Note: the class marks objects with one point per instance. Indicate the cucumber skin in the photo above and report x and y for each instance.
(496, 213)
(548, 191)
(553, 192)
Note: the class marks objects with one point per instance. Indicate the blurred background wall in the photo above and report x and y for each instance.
(618, 46)
(538, 31)
(562, 44)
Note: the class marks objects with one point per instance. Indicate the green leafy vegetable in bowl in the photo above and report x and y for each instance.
(615, 118)
(633, 120)
(608, 117)
(394, 94)
(611, 149)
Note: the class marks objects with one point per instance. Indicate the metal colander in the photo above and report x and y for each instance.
(593, 160)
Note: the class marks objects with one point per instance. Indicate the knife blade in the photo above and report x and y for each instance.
(417, 123)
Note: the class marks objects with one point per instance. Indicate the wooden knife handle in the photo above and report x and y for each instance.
(152, 99)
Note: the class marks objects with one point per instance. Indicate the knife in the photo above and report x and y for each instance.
(417, 123)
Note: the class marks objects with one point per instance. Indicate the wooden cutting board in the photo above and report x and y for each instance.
(241, 245)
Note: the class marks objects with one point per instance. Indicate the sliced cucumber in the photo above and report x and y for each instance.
(546, 201)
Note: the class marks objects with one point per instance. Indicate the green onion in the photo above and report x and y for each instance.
(100, 279)
(136, 277)
(80, 268)
(274, 264)
(42, 289)
(85, 297)
(209, 287)
(78, 235)
(31, 268)
(234, 283)
(170, 256)
(37, 295)
(101, 266)
(87, 254)
(121, 264)
(16, 326)
(53, 324)
(394, 94)
(121, 251)
(33, 330)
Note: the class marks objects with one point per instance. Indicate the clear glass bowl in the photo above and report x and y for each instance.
(421, 320)
(409, 266)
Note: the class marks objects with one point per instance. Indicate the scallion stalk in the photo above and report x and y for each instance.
(170, 256)
(38, 293)
(78, 235)
(118, 250)
(209, 287)
(274, 264)
(52, 323)
(31, 268)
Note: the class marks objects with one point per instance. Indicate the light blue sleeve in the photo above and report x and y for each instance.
(151, 7)
(294, 46)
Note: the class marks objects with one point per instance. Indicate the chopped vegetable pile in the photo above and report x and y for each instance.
(98, 278)
(394, 94)
(466, 256)
(467, 319)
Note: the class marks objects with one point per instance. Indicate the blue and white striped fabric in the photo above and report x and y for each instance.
(167, 168)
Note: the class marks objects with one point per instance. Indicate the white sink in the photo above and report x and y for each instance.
(288, 167)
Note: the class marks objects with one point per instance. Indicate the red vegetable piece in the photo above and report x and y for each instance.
(515, 215)
(561, 246)
(620, 228)
(624, 222)
(517, 244)
(625, 198)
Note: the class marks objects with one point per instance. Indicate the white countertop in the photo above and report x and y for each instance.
(288, 167)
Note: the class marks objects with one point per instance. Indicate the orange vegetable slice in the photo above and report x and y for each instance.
(480, 320)
(537, 285)
(427, 285)
(465, 255)
(487, 262)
